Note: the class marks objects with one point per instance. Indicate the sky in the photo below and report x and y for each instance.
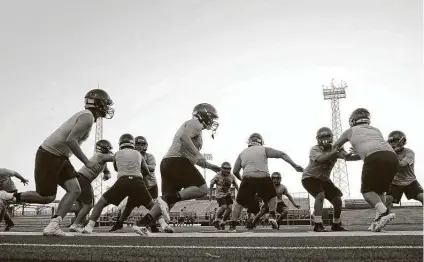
(261, 63)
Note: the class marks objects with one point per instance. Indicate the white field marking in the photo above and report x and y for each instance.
(214, 234)
(212, 247)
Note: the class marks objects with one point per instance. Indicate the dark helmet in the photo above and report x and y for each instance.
(208, 116)
(276, 178)
(141, 144)
(325, 137)
(126, 140)
(360, 116)
(226, 167)
(99, 101)
(397, 139)
(104, 146)
(255, 139)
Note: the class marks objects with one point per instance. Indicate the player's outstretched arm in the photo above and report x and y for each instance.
(291, 199)
(409, 159)
(144, 169)
(273, 153)
(344, 137)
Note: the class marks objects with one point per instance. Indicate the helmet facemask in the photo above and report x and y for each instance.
(325, 141)
(397, 143)
(225, 169)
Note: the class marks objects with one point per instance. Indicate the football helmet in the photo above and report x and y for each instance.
(208, 116)
(141, 144)
(126, 140)
(104, 146)
(397, 139)
(99, 101)
(360, 116)
(325, 137)
(225, 168)
(255, 139)
(276, 178)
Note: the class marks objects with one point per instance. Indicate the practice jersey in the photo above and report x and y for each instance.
(255, 159)
(150, 181)
(281, 190)
(92, 174)
(366, 140)
(316, 170)
(128, 162)
(406, 174)
(223, 184)
(177, 149)
(56, 142)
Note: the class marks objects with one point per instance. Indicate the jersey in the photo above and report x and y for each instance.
(316, 170)
(150, 181)
(366, 140)
(406, 174)
(281, 190)
(255, 159)
(128, 162)
(6, 182)
(92, 174)
(223, 184)
(56, 142)
(177, 149)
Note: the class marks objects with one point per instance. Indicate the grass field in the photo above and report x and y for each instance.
(400, 243)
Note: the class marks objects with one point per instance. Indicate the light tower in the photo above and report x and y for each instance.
(339, 173)
(98, 182)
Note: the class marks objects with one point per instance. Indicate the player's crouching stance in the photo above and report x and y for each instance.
(405, 181)
(223, 180)
(127, 162)
(256, 179)
(282, 209)
(380, 162)
(316, 179)
(86, 176)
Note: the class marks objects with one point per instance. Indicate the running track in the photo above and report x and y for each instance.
(401, 243)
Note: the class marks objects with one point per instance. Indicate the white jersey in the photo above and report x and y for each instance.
(128, 162)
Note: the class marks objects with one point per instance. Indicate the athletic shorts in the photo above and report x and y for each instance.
(281, 206)
(87, 193)
(249, 186)
(254, 206)
(315, 186)
(131, 187)
(178, 173)
(153, 191)
(378, 172)
(50, 171)
(227, 200)
(411, 191)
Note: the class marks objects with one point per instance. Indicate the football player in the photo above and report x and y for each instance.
(224, 179)
(405, 181)
(127, 162)
(85, 201)
(181, 180)
(52, 164)
(316, 178)
(151, 185)
(7, 185)
(380, 162)
(256, 178)
(282, 209)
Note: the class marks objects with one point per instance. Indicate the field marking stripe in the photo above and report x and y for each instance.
(212, 247)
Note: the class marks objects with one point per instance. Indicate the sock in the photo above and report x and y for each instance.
(336, 220)
(381, 208)
(91, 223)
(162, 222)
(318, 219)
(377, 215)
